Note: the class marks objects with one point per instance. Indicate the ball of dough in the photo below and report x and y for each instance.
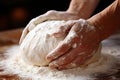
(39, 42)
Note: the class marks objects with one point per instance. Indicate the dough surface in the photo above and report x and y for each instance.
(39, 42)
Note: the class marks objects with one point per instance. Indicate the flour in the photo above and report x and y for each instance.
(15, 65)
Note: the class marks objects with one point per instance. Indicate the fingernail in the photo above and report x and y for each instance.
(48, 58)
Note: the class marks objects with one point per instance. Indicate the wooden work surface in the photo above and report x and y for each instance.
(8, 38)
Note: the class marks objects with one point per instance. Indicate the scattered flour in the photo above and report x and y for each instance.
(14, 64)
(105, 63)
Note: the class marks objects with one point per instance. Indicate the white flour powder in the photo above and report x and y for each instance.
(14, 64)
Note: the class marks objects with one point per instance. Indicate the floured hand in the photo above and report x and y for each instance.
(50, 15)
(81, 41)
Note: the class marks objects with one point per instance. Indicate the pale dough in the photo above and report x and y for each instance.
(39, 42)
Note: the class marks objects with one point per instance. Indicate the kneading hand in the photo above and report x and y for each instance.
(50, 15)
(80, 42)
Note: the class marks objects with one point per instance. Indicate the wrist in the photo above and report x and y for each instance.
(98, 28)
(73, 14)
(79, 7)
(78, 14)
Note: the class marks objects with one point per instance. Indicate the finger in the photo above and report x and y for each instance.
(50, 15)
(67, 58)
(24, 33)
(71, 39)
(70, 65)
(41, 19)
(58, 51)
(77, 62)
(64, 29)
(74, 56)
(30, 26)
(80, 61)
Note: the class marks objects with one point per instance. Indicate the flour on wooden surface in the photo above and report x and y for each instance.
(14, 64)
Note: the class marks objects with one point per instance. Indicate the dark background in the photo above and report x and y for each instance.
(17, 13)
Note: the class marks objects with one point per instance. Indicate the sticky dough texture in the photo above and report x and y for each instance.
(39, 42)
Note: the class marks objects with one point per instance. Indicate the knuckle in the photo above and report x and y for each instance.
(50, 12)
(32, 20)
(63, 59)
(72, 65)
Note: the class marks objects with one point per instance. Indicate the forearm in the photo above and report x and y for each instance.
(83, 8)
(107, 21)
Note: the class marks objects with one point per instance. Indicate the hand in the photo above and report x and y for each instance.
(80, 42)
(50, 15)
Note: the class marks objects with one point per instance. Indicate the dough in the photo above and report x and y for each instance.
(39, 42)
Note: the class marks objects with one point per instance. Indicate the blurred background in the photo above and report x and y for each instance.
(17, 13)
